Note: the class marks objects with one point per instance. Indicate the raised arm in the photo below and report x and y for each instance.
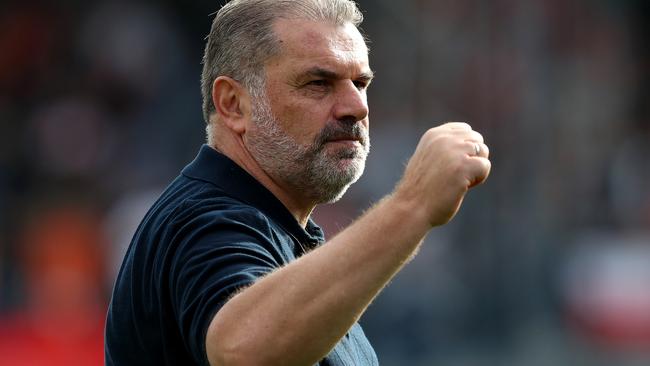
(297, 314)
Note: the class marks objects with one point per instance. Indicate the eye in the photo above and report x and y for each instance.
(360, 84)
(318, 82)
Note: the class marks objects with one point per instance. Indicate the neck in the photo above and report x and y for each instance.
(235, 149)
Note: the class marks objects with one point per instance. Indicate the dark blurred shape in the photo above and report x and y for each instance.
(128, 49)
(27, 41)
(72, 137)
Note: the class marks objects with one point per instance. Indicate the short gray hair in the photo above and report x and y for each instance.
(242, 39)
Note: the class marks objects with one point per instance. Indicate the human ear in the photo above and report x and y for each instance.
(231, 102)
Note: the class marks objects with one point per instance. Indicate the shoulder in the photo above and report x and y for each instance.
(209, 217)
(193, 218)
(194, 202)
(223, 212)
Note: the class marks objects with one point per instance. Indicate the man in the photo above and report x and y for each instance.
(227, 268)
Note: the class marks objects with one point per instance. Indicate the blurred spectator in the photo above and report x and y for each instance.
(629, 181)
(71, 137)
(120, 223)
(28, 36)
(605, 285)
(61, 319)
(102, 99)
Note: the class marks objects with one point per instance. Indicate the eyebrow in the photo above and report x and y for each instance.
(319, 72)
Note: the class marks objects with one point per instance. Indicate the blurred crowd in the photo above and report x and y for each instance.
(546, 264)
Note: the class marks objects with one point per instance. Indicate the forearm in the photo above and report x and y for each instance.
(296, 314)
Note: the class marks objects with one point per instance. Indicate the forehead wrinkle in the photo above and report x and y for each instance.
(320, 38)
(342, 62)
(305, 45)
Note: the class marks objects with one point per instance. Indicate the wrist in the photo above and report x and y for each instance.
(409, 209)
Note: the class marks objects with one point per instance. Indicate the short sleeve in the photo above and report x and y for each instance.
(216, 254)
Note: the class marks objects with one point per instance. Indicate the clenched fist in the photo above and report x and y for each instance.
(448, 161)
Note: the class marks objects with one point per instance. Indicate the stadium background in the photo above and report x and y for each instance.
(547, 264)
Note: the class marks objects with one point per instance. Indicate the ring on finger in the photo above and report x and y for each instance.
(477, 149)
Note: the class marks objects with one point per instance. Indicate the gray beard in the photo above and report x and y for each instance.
(310, 170)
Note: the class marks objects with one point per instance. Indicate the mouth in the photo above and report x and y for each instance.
(345, 138)
(351, 142)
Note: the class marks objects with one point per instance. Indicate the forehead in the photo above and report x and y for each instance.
(306, 43)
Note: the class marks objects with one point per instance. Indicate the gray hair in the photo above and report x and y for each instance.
(242, 39)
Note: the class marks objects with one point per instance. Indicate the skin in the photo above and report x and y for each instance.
(317, 79)
(259, 327)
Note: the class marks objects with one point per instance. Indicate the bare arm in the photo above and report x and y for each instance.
(273, 321)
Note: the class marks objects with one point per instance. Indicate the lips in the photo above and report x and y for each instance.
(345, 138)
(341, 137)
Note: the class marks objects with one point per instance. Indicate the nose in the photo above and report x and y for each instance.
(351, 102)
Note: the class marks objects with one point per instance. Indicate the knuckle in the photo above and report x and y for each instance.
(486, 149)
(430, 133)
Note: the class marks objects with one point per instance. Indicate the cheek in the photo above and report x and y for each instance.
(304, 121)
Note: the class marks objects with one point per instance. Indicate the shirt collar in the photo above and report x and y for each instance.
(216, 168)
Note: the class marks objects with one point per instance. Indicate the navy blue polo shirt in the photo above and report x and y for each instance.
(213, 231)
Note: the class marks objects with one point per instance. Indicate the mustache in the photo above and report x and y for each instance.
(342, 131)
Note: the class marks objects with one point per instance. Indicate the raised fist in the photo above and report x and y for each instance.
(448, 161)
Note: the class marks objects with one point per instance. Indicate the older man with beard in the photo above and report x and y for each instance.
(227, 268)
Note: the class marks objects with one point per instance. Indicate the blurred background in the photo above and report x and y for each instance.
(546, 264)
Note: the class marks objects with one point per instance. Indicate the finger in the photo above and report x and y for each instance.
(476, 136)
(457, 126)
(480, 171)
(476, 149)
(464, 134)
(472, 148)
(470, 135)
(485, 151)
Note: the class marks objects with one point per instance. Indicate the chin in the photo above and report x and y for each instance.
(337, 196)
(333, 175)
(335, 184)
